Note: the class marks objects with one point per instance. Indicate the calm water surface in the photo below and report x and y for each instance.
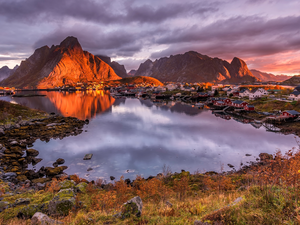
(131, 136)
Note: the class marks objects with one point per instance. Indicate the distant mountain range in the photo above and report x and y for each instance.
(293, 81)
(6, 72)
(268, 76)
(64, 64)
(193, 67)
(67, 64)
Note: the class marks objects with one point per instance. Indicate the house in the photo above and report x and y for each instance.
(160, 88)
(290, 114)
(171, 87)
(297, 88)
(239, 104)
(244, 92)
(231, 91)
(219, 103)
(295, 95)
(249, 107)
(257, 93)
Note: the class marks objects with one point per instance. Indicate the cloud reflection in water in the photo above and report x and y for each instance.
(141, 137)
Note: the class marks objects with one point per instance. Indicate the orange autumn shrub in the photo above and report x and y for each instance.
(151, 190)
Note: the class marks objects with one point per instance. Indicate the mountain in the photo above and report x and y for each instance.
(6, 72)
(64, 64)
(119, 69)
(132, 72)
(193, 67)
(293, 81)
(268, 76)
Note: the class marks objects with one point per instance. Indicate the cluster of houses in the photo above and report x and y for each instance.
(224, 102)
(295, 95)
(7, 91)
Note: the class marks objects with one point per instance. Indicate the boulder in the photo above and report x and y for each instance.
(21, 178)
(41, 180)
(66, 184)
(50, 172)
(81, 187)
(62, 202)
(32, 152)
(132, 207)
(60, 161)
(41, 219)
(29, 211)
(36, 161)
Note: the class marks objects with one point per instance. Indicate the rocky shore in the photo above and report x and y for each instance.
(16, 154)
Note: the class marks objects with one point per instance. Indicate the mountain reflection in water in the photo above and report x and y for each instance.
(82, 104)
(136, 136)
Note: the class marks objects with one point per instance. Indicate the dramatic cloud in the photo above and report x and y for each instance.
(131, 31)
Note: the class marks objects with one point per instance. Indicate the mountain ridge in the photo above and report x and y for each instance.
(64, 64)
(194, 67)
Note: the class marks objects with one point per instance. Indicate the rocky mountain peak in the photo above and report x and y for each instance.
(71, 43)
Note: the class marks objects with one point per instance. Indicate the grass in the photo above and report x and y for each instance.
(269, 191)
(9, 113)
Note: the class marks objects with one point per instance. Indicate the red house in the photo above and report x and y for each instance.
(249, 107)
(290, 114)
(239, 104)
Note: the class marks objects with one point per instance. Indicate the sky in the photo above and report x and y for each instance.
(264, 33)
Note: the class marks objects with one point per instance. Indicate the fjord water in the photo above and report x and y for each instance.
(132, 136)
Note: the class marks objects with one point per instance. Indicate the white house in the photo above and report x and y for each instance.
(258, 93)
(160, 88)
(244, 93)
(295, 96)
(171, 87)
(230, 91)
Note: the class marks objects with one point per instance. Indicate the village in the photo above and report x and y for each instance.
(224, 100)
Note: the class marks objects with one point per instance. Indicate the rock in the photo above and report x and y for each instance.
(88, 156)
(66, 184)
(265, 156)
(4, 205)
(89, 169)
(132, 207)
(81, 187)
(2, 133)
(55, 164)
(40, 180)
(112, 177)
(198, 222)
(239, 199)
(14, 143)
(29, 211)
(169, 204)
(230, 165)
(52, 124)
(21, 178)
(60, 161)
(36, 161)
(248, 154)
(9, 175)
(32, 152)
(40, 186)
(62, 203)
(22, 201)
(50, 172)
(41, 219)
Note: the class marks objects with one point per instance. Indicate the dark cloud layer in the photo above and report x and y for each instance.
(133, 30)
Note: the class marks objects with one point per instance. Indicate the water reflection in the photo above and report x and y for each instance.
(83, 104)
(139, 137)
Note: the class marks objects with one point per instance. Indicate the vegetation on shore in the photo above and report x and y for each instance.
(11, 113)
(267, 192)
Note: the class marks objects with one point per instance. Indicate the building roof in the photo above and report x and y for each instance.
(296, 93)
(250, 106)
(292, 112)
(237, 102)
(244, 90)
